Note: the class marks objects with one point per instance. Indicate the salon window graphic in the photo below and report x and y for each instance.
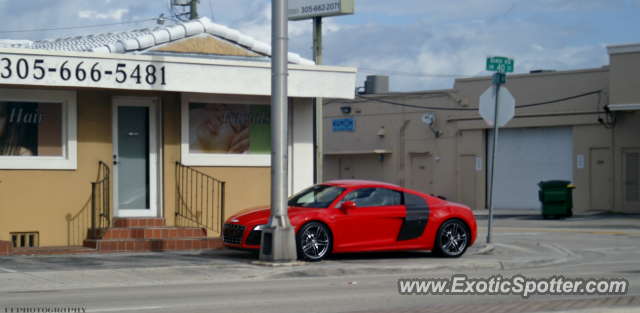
(30, 129)
(221, 128)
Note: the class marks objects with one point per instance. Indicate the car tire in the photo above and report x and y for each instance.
(314, 242)
(452, 239)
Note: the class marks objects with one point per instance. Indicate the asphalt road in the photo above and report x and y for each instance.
(606, 246)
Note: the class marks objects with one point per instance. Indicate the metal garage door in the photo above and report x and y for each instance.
(525, 157)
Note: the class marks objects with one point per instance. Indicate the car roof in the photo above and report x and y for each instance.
(350, 183)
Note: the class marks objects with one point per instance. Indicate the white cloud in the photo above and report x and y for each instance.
(111, 14)
(425, 36)
(462, 9)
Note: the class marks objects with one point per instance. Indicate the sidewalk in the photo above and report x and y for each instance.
(123, 269)
(483, 214)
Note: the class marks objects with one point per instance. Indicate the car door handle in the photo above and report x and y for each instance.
(133, 134)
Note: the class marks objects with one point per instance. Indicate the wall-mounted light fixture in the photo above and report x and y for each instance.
(382, 132)
(346, 110)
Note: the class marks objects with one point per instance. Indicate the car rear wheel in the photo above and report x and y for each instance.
(452, 239)
(314, 242)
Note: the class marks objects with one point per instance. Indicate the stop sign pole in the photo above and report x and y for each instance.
(493, 155)
(500, 117)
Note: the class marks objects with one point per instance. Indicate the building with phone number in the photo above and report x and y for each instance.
(145, 140)
(580, 126)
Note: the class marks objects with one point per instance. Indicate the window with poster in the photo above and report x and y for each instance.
(38, 129)
(226, 132)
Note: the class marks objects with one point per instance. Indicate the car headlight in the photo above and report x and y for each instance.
(259, 227)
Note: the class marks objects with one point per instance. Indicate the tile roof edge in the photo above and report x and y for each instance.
(175, 32)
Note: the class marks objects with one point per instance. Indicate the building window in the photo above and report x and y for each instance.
(225, 132)
(37, 129)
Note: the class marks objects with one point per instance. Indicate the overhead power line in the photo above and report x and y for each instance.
(417, 106)
(565, 99)
(463, 109)
(400, 73)
(41, 30)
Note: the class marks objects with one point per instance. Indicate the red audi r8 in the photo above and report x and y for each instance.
(358, 215)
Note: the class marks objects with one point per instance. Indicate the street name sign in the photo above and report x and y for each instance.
(499, 78)
(506, 107)
(500, 64)
(305, 9)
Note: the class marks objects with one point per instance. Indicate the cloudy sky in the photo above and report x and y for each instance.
(416, 42)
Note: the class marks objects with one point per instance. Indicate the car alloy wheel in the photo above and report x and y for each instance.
(452, 239)
(314, 242)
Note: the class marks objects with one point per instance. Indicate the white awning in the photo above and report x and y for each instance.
(150, 72)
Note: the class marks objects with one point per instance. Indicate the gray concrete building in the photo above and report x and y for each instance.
(582, 126)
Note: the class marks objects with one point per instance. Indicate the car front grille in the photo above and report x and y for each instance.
(254, 237)
(232, 234)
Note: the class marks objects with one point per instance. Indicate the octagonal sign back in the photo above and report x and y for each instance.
(506, 110)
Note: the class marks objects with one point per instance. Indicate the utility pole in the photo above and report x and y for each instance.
(317, 57)
(278, 242)
(194, 10)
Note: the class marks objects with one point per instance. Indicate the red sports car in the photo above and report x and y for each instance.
(358, 215)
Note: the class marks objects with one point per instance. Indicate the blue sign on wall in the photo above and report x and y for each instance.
(343, 124)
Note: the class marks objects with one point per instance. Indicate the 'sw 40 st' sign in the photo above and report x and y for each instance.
(500, 64)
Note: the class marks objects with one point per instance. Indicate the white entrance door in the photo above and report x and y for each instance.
(135, 157)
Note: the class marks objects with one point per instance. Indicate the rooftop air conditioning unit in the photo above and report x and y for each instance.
(376, 84)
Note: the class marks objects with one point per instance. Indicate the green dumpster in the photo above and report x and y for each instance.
(556, 198)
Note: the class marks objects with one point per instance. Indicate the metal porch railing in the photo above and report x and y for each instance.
(199, 199)
(100, 202)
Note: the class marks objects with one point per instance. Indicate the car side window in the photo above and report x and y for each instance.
(410, 199)
(370, 197)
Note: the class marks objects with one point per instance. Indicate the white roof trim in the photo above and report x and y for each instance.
(624, 107)
(627, 48)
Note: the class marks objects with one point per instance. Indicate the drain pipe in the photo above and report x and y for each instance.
(401, 154)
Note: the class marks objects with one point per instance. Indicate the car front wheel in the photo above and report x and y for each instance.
(452, 239)
(314, 242)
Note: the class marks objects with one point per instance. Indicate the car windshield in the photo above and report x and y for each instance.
(318, 196)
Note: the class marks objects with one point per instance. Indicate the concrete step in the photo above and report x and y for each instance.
(119, 222)
(147, 245)
(6, 247)
(151, 233)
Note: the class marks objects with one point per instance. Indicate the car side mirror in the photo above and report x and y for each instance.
(348, 205)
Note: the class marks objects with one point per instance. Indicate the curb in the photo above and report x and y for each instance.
(486, 249)
(477, 265)
(284, 264)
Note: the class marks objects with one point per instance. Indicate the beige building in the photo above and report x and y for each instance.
(559, 136)
(152, 137)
